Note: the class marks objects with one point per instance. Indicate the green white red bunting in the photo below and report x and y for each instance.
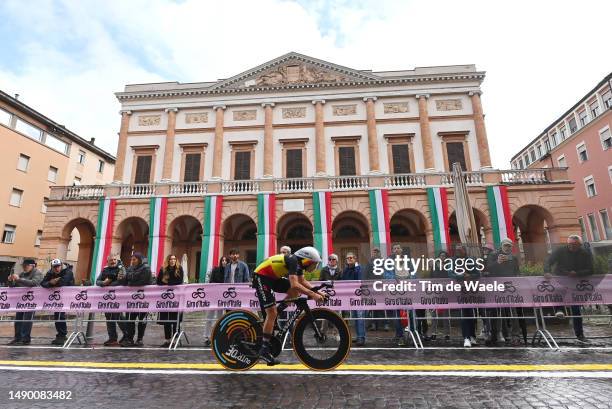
(266, 226)
(438, 208)
(210, 238)
(379, 210)
(322, 224)
(158, 210)
(501, 218)
(104, 234)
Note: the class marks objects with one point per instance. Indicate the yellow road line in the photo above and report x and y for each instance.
(346, 367)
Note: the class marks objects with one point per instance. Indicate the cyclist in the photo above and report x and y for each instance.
(282, 273)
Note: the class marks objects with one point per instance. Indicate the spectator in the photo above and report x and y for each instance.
(352, 271)
(216, 276)
(285, 250)
(440, 271)
(572, 260)
(170, 274)
(330, 272)
(29, 277)
(468, 322)
(236, 271)
(502, 263)
(60, 275)
(138, 274)
(378, 316)
(399, 272)
(110, 277)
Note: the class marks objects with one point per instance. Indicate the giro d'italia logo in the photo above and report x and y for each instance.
(236, 340)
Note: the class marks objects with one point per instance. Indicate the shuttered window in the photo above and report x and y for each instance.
(143, 169)
(346, 160)
(401, 160)
(294, 163)
(242, 165)
(192, 167)
(454, 151)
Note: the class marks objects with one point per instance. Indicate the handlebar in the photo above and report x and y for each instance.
(326, 284)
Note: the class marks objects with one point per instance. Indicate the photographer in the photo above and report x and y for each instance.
(110, 277)
(29, 277)
(138, 274)
(60, 275)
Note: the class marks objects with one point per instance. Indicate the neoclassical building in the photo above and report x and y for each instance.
(300, 151)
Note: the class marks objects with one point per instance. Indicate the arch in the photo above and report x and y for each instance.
(294, 230)
(483, 225)
(240, 232)
(531, 223)
(351, 233)
(408, 227)
(184, 237)
(132, 235)
(77, 246)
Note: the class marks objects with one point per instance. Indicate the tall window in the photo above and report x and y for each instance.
(8, 236)
(401, 158)
(561, 161)
(584, 119)
(582, 229)
(607, 98)
(594, 108)
(100, 166)
(143, 169)
(5, 117)
(563, 132)
(553, 139)
(594, 230)
(52, 175)
(23, 162)
(532, 155)
(16, 196)
(346, 160)
(38, 238)
(539, 150)
(81, 157)
(547, 145)
(572, 125)
(294, 163)
(581, 149)
(456, 153)
(242, 165)
(520, 163)
(606, 139)
(589, 185)
(605, 222)
(43, 207)
(192, 167)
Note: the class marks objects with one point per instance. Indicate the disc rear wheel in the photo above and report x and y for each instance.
(236, 339)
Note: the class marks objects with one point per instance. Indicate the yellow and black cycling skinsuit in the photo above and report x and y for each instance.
(272, 276)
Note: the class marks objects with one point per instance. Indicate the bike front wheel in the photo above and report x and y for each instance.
(323, 342)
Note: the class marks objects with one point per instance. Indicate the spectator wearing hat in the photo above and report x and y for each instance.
(29, 277)
(60, 275)
(138, 274)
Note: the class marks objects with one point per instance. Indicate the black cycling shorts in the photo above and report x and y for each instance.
(265, 287)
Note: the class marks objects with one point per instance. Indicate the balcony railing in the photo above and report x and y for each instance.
(306, 185)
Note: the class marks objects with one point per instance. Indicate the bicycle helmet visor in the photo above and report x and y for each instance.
(309, 258)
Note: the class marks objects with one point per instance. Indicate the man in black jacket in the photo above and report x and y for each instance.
(138, 274)
(30, 277)
(110, 277)
(60, 275)
(572, 260)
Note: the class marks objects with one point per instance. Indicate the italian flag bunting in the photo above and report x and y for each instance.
(379, 210)
(438, 208)
(322, 224)
(501, 218)
(104, 234)
(266, 226)
(210, 238)
(158, 209)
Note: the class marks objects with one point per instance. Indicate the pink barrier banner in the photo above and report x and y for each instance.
(346, 295)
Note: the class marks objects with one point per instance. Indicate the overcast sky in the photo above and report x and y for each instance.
(67, 58)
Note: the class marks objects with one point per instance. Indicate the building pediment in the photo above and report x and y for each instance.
(294, 69)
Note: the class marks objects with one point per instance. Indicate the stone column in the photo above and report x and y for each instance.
(169, 144)
(218, 149)
(372, 135)
(268, 140)
(481, 132)
(320, 137)
(122, 146)
(428, 155)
